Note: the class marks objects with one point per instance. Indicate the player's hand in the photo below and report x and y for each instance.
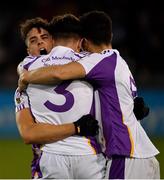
(87, 125)
(141, 110)
(22, 84)
(20, 68)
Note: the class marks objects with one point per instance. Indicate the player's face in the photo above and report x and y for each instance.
(38, 39)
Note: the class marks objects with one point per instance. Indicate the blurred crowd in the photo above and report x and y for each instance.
(138, 28)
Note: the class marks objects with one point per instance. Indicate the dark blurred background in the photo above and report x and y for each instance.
(138, 28)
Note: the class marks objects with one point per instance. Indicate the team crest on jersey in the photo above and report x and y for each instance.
(18, 100)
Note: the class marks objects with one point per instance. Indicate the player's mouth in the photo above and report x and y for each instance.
(43, 51)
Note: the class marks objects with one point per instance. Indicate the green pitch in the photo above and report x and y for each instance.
(15, 159)
(159, 143)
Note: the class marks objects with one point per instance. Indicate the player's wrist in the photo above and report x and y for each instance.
(77, 128)
(87, 125)
(26, 78)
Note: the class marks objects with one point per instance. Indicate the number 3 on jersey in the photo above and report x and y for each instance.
(61, 89)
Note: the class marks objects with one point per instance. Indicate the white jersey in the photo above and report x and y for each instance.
(62, 103)
(115, 91)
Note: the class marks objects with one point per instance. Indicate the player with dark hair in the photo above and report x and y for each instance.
(35, 33)
(38, 40)
(130, 152)
(60, 104)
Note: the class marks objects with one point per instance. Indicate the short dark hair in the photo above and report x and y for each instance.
(97, 27)
(65, 26)
(37, 22)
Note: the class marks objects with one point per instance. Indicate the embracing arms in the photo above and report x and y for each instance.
(41, 133)
(52, 74)
(32, 132)
(73, 70)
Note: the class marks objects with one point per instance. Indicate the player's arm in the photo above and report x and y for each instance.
(41, 133)
(53, 74)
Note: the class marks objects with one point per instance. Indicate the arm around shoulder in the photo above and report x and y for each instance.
(55, 73)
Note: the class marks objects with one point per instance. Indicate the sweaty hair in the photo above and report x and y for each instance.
(97, 27)
(37, 22)
(65, 26)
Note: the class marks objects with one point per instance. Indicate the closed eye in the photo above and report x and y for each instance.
(33, 40)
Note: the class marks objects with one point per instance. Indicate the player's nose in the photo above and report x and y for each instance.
(40, 41)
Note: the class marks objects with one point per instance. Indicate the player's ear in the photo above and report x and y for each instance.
(83, 44)
(28, 51)
(79, 45)
(81, 41)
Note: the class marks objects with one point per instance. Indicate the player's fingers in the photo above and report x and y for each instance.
(21, 86)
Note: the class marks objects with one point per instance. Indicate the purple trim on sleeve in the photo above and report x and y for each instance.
(78, 55)
(26, 66)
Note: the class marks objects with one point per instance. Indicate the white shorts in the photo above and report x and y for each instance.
(120, 167)
(72, 167)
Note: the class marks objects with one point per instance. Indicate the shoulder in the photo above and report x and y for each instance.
(92, 57)
(28, 59)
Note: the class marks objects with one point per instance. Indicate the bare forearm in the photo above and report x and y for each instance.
(45, 133)
(41, 133)
(42, 76)
(54, 74)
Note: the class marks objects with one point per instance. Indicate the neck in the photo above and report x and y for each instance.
(99, 48)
